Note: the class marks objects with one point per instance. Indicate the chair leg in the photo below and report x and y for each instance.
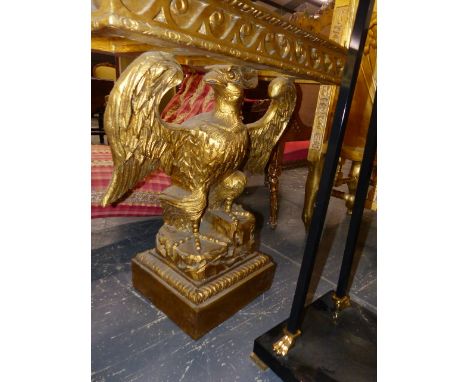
(101, 127)
(273, 173)
(311, 189)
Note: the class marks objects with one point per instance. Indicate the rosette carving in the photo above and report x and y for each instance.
(301, 53)
(187, 14)
(328, 64)
(316, 58)
(284, 45)
(249, 34)
(218, 23)
(179, 7)
(270, 46)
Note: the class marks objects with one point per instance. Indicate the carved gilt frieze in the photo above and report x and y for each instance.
(228, 29)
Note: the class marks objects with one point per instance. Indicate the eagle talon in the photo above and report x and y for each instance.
(197, 244)
(196, 236)
(228, 206)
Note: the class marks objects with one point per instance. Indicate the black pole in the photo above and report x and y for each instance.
(359, 201)
(348, 83)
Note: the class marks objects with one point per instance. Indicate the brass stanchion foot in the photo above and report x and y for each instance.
(341, 303)
(282, 346)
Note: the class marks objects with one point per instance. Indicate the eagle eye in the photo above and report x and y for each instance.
(231, 74)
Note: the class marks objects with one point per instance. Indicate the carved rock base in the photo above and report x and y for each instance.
(225, 240)
(197, 307)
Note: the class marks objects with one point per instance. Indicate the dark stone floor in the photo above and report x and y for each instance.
(133, 341)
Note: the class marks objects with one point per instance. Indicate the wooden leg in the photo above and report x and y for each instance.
(311, 189)
(101, 127)
(273, 173)
(266, 176)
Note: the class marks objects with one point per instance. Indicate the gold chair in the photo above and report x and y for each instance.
(295, 134)
(102, 81)
(105, 71)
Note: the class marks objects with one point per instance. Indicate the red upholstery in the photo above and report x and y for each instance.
(295, 151)
(296, 145)
(194, 97)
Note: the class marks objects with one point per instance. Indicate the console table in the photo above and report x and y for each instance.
(201, 32)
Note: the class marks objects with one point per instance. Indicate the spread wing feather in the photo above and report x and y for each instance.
(265, 133)
(140, 141)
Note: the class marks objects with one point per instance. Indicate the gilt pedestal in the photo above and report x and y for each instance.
(198, 307)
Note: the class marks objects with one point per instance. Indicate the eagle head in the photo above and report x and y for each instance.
(231, 77)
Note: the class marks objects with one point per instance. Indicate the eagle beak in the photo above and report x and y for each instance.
(212, 78)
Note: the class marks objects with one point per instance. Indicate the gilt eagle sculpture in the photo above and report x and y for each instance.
(205, 155)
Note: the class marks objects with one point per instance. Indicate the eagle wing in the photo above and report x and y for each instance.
(265, 133)
(140, 141)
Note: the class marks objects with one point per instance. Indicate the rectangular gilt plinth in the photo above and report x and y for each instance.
(197, 309)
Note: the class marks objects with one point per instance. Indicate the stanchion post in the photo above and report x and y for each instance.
(359, 202)
(356, 46)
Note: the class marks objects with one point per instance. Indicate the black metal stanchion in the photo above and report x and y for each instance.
(359, 201)
(314, 343)
(340, 118)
